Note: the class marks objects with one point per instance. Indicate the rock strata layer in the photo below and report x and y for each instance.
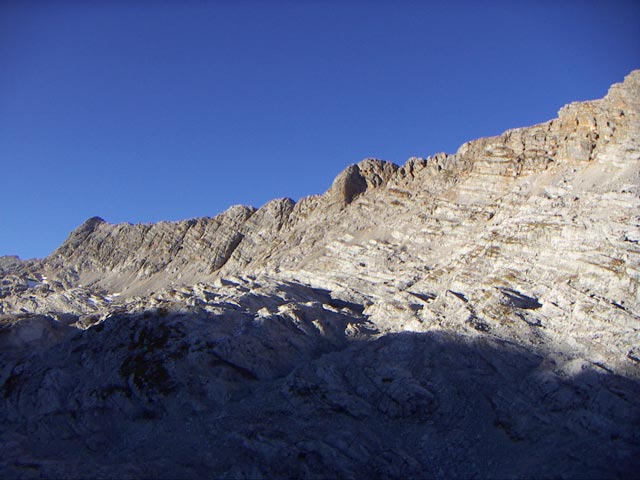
(467, 314)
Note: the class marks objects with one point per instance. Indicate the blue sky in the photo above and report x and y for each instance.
(141, 111)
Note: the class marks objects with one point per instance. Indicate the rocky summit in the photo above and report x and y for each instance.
(467, 315)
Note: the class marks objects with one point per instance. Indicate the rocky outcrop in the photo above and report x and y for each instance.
(9, 262)
(357, 179)
(118, 257)
(466, 314)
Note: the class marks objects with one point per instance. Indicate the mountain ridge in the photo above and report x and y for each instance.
(583, 113)
(467, 314)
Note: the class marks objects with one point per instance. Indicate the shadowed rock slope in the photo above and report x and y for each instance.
(467, 314)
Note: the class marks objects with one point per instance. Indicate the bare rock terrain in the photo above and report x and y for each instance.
(474, 314)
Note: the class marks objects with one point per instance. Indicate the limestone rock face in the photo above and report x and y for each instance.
(357, 179)
(466, 314)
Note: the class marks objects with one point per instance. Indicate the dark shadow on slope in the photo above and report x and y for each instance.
(237, 396)
(327, 297)
(516, 299)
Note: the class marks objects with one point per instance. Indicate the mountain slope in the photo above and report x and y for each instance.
(370, 323)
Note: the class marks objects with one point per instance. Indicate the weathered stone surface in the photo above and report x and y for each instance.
(467, 314)
(8, 262)
(357, 179)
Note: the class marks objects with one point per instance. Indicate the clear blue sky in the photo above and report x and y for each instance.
(143, 111)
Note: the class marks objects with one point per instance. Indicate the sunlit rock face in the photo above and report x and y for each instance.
(465, 315)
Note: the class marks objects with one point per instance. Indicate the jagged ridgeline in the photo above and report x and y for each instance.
(467, 314)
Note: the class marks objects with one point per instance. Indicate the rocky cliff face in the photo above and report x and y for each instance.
(468, 314)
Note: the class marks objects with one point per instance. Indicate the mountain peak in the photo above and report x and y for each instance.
(92, 223)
